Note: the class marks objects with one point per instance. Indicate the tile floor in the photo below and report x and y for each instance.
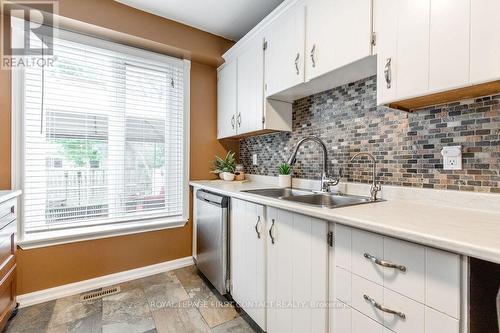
(176, 301)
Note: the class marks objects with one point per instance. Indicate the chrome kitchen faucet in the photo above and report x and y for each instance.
(376, 187)
(326, 181)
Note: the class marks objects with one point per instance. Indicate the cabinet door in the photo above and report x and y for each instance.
(251, 87)
(363, 324)
(412, 61)
(297, 273)
(437, 322)
(284, 56)
(333, 38)
(227, 100)
(247, 258)
(385, 15)
(484, 41)
(449, 44)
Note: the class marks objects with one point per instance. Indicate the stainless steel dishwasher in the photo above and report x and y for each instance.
(212, 257)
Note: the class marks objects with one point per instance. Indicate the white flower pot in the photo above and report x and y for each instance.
(221, 175)
(285, 180)
(228, 176)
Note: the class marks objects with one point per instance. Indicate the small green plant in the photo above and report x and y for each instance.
(284, 169)
(227, 164)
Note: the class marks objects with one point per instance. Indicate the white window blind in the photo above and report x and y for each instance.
(104, 137)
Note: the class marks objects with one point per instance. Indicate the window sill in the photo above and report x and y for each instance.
(66, 236)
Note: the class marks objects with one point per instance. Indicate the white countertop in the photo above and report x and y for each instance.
(470, 232)
(8, 194)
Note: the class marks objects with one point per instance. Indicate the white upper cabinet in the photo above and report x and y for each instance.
(242, 107)
(449, 44)
(432, 46)
(412, 58)
(385, 14)
(338, 32)
(227, 100)
(251, 87)
(284, 60)
(484, 41)
(402, 47)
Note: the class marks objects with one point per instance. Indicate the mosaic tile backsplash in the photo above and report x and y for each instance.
(407, 146)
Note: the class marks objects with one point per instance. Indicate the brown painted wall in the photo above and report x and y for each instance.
(56, 265)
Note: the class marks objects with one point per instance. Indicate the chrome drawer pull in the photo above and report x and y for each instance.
(257, 227)
(384, 263)
(313, 59)
(388, 73)
(384, 309)
(271, 231)
(297, 64)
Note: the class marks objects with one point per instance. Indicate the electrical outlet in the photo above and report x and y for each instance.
(452, 157)
(254, 159)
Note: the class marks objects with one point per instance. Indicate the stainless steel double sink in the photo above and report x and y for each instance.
(317, 199)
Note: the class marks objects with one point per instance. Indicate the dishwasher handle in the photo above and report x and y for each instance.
(213, 198)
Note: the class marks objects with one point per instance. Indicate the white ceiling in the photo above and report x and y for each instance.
(228, 18)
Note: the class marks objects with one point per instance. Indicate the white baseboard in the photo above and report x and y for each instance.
(50, 294)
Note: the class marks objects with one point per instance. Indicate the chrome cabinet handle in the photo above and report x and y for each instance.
(271, 231)
(384, 263)
(232, 121)
(239, 119)
(297, 58)
(313, 51)
(257, 227)
(388, 73)
(383, 308)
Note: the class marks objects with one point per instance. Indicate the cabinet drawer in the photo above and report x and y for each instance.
(365, 293)
(7, 247)
(7, 212)
(362, 287)
(366, 243)
(343, 285)
(343, 246)
(442, 279)
(426, 275)
(348, 320)
(413, 311)
(410, 281)
(437, 322)
(7, 296)
(342, 318)
(362, 324)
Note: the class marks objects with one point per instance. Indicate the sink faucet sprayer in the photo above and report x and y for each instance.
(326, 182)
(376, 187)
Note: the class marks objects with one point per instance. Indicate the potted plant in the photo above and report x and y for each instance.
(225, 167)
(284, 175)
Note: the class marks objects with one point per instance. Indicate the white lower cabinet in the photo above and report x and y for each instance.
(405, 287)
(247, 253)
(297, 273)
(284, 274)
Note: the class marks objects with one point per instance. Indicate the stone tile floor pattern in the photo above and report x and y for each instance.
(175, 301)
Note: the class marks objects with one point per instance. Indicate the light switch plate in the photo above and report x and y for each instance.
(452, 157)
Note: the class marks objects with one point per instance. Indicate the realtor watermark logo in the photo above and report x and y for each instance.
(29, 41)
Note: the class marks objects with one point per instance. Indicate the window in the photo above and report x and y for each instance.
(103, 139)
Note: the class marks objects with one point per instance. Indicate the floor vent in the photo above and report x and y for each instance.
(99, 294)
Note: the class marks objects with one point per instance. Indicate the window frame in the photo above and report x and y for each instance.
(122, 225)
